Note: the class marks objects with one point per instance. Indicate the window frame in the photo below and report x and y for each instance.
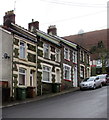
(24, 74)
(74, 57)
(46, 47)
(22, 55)
(47, 71)
(66, 54)
(57, 53)
(82, 73)
(65, 66)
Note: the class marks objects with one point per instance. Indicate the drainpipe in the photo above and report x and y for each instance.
(12, 66)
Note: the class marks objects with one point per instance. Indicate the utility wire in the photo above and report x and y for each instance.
(76, 4)
(77, 17)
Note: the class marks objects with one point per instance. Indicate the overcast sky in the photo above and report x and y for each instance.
(69, 16)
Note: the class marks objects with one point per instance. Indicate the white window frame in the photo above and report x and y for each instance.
(65, 66)
(21, 73)
(81, 72)
(49, 71)
(57, 55)
(82, 55)
(66, 53)
(74, 57)
(46, 47)
(22, 55)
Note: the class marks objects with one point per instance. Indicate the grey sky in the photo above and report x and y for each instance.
(69, 16)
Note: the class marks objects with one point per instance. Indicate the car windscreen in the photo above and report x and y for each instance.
(102, 76)
(91, 79)
(85, 79)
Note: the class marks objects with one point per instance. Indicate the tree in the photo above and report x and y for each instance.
(102, 54)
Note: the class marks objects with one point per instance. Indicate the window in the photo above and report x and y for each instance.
(46, 73)
(67, 72)
(31, 78)
(57, 55)
(74, 57)
(66, 53)
(22, 76)
(82, 56)
(22, 50)
(46, 50)
(82, 72)
(87, 59)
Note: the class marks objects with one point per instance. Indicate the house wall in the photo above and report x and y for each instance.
(85, 63)
(6, 41)
(66, 84)
(29, 63)
(45, 87)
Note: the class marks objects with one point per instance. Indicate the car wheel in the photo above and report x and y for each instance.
(94, 87)
(81, 88)
(101, 85)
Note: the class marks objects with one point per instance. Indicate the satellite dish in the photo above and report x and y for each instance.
(81, 31)
(6, 56)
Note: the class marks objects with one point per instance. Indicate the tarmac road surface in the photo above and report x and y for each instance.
(79, 104)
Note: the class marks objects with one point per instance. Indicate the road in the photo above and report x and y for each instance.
(79, 104)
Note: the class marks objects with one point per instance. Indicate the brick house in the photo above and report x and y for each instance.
(83, 61)
(23, 57)
(48, 61)
(90, 39)
(75, 62)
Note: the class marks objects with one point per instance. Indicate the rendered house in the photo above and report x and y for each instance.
(6, 40)
(21, 45)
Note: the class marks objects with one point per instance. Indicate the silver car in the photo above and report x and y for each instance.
(103, 78)
(91, 83)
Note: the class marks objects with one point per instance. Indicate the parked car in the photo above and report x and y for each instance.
(103, 78)
(90, 83)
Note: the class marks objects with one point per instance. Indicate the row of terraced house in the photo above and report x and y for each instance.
(44, 61)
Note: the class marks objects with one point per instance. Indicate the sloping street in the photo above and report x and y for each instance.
(79, 104)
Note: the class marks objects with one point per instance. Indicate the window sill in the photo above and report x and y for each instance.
(67, 60)
(75, 63)
(46, 81)
(23, 59)
(67, 80)
(22, 86)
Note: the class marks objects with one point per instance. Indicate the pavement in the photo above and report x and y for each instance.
(37, 98)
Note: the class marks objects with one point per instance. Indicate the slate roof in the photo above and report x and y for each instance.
(90, 39)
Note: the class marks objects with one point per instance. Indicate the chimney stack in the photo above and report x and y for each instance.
(9, 18)
(33, 26)
(52, 30)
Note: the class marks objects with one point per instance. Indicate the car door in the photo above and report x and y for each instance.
(98, 81)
